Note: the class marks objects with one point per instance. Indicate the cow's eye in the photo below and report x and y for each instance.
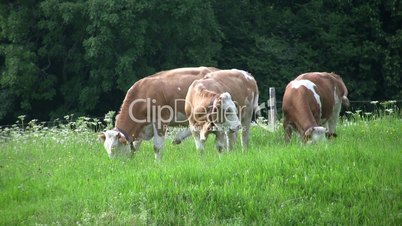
(231, 111)
(236, 105)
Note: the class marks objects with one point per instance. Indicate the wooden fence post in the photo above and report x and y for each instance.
(272, 109)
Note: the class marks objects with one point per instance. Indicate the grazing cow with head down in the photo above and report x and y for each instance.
(150, 105)
(311, 105)
(222, 103)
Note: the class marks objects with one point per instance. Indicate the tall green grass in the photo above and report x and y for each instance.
(62, 176)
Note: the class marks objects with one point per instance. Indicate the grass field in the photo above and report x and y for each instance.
(63, 176)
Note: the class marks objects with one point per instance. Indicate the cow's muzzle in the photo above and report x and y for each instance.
(235, 128)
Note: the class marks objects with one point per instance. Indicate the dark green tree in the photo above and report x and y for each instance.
(24, 79)
(62, 57)
(76, 56)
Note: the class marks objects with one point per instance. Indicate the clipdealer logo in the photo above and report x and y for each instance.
(165, 114)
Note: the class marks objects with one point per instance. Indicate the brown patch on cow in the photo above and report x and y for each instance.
(122, 139)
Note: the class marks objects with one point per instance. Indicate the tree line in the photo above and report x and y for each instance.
(80, 56)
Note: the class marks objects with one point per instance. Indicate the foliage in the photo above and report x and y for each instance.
(60, 57)
(81, 56)
(277, 41)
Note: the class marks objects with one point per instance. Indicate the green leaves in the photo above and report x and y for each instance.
(55, 54)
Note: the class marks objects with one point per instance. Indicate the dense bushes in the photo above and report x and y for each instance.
(59, 57)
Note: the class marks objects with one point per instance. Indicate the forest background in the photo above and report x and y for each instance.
(60, 57)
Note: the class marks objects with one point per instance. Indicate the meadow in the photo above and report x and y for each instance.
(61, 175)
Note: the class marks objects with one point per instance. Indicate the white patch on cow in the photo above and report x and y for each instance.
(231, 121)
(178, 88)
(247, 75)
(318, 134)
(309, 85)
(225, 95)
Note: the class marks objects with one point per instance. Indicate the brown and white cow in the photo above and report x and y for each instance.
(150, 105)
(222, 102)
(311, 105)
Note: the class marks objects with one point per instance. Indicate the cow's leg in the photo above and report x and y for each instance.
(287, 129)
(333, 120)
(181, 135)
(246, 122)
(325, 124)
(231, 139)
(159, 138)
(146, 133)
(220, 142)
(245, 134)
(199, 143)
(136, 145)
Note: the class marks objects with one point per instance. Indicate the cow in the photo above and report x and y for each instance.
(222, 103)
(311, 105)
(150, 105)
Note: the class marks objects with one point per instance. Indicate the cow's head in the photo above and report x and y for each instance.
(315, 134)
(224, 114)
(115, 143)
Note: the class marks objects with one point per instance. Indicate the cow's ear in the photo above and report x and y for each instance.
(102, 137)
(122, 139)
(308, 133)
(212, 117)
(330, 135)
(217, 103)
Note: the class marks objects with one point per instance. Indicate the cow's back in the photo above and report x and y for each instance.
(330, 88)
(169, 87)
(162, 91)
(211, 102)
(300, 106)
(240, 84)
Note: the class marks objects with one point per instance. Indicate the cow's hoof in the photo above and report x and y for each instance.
(176, 141)
(331, 135)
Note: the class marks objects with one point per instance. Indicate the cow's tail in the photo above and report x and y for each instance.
(256, 109)
(345, 100)
(343, 91)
